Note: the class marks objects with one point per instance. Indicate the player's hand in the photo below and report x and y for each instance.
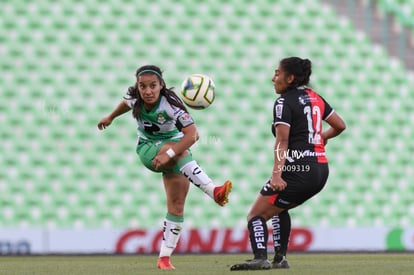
(277, 183)
(105, 122)
(324, 138)
(160, 160)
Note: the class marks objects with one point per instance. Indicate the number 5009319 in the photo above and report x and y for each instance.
(294, 168)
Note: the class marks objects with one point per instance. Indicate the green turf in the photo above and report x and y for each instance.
(306, 263)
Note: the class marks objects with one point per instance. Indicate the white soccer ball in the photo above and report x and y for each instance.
(198, 91)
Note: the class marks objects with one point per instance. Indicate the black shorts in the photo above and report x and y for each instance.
(303, 182)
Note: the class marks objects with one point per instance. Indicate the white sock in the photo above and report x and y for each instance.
(171, 235)
(198, 177)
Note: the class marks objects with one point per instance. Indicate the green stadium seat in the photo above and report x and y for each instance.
(65, 66)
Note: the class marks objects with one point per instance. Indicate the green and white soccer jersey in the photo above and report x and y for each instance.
(163, 122)
(158, 126)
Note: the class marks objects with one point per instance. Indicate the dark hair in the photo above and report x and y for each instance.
(300, 68)
(169, 94)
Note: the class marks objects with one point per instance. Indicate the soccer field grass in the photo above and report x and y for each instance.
(307, 263)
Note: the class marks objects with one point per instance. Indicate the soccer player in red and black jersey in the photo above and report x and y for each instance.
(300, 168)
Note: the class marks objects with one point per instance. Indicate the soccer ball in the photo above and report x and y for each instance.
(198, 91)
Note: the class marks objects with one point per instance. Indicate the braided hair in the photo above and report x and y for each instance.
(169, 94)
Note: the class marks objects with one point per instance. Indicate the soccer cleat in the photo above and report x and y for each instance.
(221, 193)
(164, 263)
(280, 264)
(255, 264)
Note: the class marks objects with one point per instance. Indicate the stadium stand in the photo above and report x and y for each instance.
(65, 65)
(401, 9)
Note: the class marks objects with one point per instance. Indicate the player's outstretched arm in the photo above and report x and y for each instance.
(122, 108)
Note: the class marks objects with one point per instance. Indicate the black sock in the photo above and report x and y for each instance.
(258, 237)
(281, 233)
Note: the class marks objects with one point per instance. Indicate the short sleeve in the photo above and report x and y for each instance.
(328, 110)
(130, 101)
(182, 118)
(282, 113)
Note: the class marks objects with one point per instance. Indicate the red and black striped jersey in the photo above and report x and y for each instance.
(302, 110)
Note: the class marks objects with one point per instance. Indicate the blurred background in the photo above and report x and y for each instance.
(66, 64)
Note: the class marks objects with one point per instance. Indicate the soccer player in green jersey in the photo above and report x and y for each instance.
(166, 131)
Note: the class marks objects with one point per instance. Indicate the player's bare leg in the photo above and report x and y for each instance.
(176, 189)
